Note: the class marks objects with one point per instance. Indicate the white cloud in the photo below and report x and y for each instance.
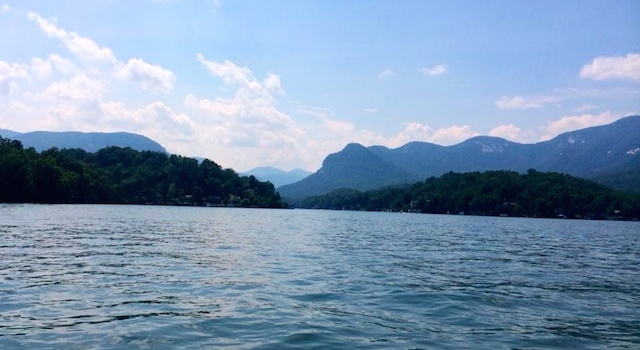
(338, 127)
(156, 120)
(318, 112)
(41, 69)
(6, 8)
(585, 108)
(272, 83)
(253, 99)
(63, 65)
(576, 122)
(149, 76)
(519, 102)
(453, 134)
(617, 67)
(334, 126)
(84, 48)
(20, 107)
(412, 132)
(9, 74)
(243, 127)
(81, 87)
(439, 69)
(247, 128)
(228, 71)
(513, 133)
(422, 132)
(386, 75)
(508, 131)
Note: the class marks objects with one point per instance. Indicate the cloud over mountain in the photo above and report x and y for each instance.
(207, 93)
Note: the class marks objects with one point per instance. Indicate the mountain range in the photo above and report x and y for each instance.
(94, 141)
(277, 177)
(88, 141)
(609, 154)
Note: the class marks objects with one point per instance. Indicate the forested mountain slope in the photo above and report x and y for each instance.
(124, 175)
(603, 153)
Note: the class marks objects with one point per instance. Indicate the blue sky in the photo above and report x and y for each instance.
(285, 83)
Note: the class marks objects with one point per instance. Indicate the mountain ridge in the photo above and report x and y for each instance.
(587, 153)
(87, 141)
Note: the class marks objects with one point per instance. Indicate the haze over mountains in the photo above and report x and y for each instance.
(277, 177)
(88, 141)
(94, 141)
(609, 154)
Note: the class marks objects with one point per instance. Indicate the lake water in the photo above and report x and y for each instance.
(145, 277)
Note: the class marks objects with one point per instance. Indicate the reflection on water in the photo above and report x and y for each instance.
(166, 277)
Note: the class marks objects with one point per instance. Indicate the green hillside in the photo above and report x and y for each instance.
(497, 193)
(123, 175)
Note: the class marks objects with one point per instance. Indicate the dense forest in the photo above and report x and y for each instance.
(125, 176)
(498, 193)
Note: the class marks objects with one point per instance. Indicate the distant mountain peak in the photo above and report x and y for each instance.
(585, 153)
(88, 141)
(353, 147)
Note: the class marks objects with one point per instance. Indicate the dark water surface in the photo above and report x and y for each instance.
(136, 277)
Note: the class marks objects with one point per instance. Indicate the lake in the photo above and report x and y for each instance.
(150, 277)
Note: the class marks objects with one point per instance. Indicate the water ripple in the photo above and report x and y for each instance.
(83, 277)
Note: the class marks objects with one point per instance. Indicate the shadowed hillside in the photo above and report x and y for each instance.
(607, 153)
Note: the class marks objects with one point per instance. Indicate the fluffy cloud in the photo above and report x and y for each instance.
(571, 123)
(587, 107)
(386, 75)
(149, 76)
(20, 107)
(55, 93)
(247, 128)
(422, 132)
(228, 71)
(244, 126)
(9, 74)
(519, 102)
(617, 67)
(253, 100)
(453, 134)
(508, 131)
(40, 68)
(272, 83)
(62, 65)
(439, 69)
(156, 120)
(81, 87)
(336, 127)
(84, 48)
(513, 133)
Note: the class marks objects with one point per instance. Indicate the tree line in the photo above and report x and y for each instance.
(495, 193)
(124, 176)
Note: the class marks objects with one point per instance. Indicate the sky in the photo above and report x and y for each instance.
(284, 83)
